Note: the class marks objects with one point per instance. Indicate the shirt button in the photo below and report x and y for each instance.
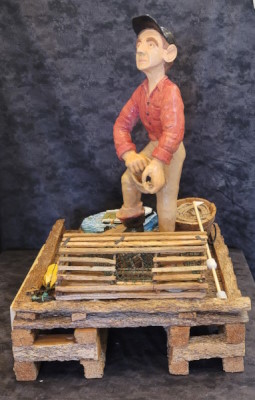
(147, 113)
(148, 102)
(149, 123)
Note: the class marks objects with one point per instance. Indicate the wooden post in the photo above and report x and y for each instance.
(24, 371)
(235, 334)
(94, 368)
(177, 336)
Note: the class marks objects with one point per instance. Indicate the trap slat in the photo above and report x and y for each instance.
(132, 295)
(177, 277)
(144, 287)
(134, 244)
(120, 250)
(92, 260)
(125, 238)
(112, 233)
(85, 268)
(180, 268)
(72, 277)
(179, 259)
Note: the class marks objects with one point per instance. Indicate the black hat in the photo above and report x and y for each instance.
(147, 22)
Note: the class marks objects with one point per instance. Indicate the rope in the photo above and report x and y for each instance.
(186, 212)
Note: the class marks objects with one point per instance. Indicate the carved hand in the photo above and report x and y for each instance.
(135, 162)
(153, 177)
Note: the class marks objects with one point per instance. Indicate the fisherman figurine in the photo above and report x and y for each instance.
(158, 103)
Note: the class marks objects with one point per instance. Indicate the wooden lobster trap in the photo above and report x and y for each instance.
(132, 265)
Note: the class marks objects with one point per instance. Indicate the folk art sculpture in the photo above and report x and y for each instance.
(123, 269)
(158, 103)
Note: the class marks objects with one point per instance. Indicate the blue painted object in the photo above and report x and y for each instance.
(94, 224)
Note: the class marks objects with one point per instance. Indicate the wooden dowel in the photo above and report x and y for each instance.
(72, 277)
(180, 268)
(177, 277)
(179, 258)
(136, 244)
(133, 238)
(143, 288)
(134, 295)
(93, 260)
(126, 234)
(85, 268)
(119, 250)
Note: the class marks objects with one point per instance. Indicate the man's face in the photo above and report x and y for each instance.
(149, 50)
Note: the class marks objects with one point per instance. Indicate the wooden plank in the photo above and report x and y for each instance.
(93, 260)
(233, 306)
(205, 347)
(119, 250)
(127, 238)
(177, 277)
(45, 257)
(179, 258)
(126, 234)
(179, 269)
(225, 265)
(143, 288)
(175, 249)
(135, 244)
(132, 295)
(60, 347)
(72, 277)
(134, 319)
(85, 268)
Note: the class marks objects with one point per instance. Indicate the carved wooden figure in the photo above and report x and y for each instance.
(158, 103)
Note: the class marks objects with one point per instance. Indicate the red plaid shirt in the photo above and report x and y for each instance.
(162, 114)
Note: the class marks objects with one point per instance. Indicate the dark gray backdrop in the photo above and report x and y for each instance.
(67, 68)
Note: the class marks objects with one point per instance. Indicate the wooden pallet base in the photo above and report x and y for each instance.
(87, 345)
(34, 337)
(229, 346)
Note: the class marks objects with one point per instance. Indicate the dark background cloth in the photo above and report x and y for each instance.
(66, 70)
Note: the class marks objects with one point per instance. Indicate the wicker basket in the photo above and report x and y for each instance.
(186, 218)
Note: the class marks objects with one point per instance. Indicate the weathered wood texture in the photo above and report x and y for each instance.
(235, 333)
(210, 304)
(204, 347)
(225, 266)
(95, 368)
(59, 347)
(86, 345)
(233, 364)
(178, 315)
(229, 346)
(46, 256)
(26, 371)
(133, 320)
(22, 337)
